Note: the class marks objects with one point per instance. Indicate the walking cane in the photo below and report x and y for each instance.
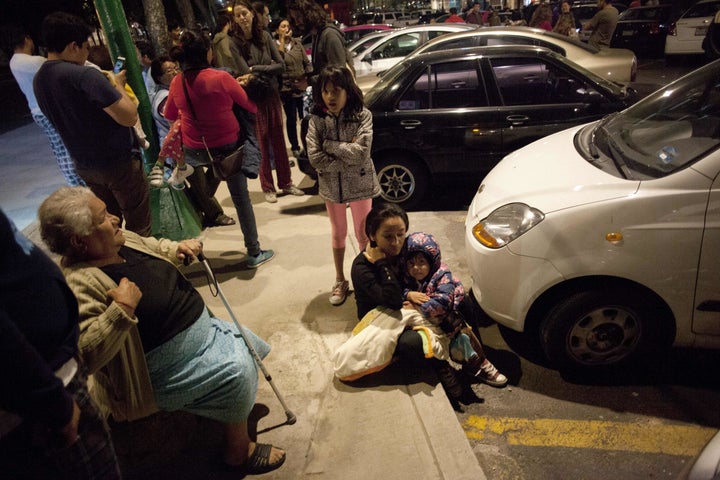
(291, 418)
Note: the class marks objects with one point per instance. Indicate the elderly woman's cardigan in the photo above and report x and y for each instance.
(110, 342)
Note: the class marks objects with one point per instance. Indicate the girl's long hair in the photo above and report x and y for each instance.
(257, 37)
(343, 78)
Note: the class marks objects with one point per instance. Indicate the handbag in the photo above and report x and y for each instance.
(224, 165)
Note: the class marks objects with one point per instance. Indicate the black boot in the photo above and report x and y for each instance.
(449, 380)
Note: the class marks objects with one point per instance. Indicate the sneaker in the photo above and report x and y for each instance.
(490, 375)
(156, 176)
(177, 179)
(449, 380)
(293, 190)
(270, 197)
(339, 293)
(254, 261)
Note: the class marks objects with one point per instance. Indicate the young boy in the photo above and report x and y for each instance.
(436, 293)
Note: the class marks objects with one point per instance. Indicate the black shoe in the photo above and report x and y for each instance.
(450, 381)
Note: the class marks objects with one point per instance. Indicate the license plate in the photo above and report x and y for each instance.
(701, 31)
(628, 33)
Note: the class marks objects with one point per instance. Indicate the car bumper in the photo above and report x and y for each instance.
(673, 46)
(506, 284)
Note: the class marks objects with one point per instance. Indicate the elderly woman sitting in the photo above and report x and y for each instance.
(146, 333)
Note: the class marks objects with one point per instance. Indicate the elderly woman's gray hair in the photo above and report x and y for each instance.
(64, 214)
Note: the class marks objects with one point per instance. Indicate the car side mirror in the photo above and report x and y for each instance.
(368, 58)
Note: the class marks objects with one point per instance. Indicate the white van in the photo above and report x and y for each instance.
(396, 19)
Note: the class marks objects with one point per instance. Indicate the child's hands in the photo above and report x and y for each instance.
(417, 298)
(243, 79)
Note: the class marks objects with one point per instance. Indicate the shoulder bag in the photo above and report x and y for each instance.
(224, 165)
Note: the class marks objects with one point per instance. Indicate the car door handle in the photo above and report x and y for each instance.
(410, 124)
(458, 84)
(517, 119)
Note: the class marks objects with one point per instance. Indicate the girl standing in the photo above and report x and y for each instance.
(339, 141)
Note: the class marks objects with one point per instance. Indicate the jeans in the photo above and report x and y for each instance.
(123, 187)
(293, 107)
(237, 185)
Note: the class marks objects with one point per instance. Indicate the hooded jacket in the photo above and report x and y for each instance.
(445, 290)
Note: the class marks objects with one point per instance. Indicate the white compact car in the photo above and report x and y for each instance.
(687, 34)
(393, 47)
(602, 242)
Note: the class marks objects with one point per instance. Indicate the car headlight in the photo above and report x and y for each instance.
(505, 224)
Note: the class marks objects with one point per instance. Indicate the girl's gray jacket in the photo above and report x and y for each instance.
(339, 149)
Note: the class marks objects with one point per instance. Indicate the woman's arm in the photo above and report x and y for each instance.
(104, 324)
(376, 283)
(277, 65)
(357, 150)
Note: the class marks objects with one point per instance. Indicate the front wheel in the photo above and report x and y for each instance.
(601, 328)
(402, 180)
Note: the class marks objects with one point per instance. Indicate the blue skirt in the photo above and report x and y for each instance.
(207, 370)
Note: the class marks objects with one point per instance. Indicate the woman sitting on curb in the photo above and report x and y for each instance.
(179, 357)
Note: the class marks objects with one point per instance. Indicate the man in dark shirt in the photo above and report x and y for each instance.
(94, 119)
(49, 427)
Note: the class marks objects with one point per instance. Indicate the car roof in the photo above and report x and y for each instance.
(539, 33)
(470, 52)
(368, 26)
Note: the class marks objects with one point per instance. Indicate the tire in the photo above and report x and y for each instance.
(402, 181)
(597, 329)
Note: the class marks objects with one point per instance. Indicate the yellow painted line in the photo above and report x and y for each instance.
(647, 437)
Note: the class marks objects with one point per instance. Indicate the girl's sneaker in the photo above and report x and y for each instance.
(490, 375)
(339, 293)
(177, 179)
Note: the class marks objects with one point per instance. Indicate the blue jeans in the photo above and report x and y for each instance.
(237, 184)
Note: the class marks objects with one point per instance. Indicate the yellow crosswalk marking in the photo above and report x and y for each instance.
(648, 437)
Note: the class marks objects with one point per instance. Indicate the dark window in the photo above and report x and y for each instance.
(533, 81)
(446, 85)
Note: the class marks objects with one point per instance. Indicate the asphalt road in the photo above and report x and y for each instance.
(649, 422)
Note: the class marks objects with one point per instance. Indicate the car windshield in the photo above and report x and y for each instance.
(386, 80)
(669, 130)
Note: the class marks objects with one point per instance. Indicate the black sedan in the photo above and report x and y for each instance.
(643, 30)
(455, 114)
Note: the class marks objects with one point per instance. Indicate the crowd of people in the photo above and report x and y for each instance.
(119, 307)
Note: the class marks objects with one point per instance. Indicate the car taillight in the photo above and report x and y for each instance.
(654, 28)
(672, 30)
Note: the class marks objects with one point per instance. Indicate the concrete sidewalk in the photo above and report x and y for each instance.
(388, 427)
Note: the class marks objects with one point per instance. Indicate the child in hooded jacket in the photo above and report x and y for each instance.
(432, 289)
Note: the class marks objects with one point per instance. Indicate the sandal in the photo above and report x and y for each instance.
(222, 220)
(259, 461)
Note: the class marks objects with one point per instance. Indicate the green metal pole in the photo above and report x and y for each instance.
(120, 42)
(173, 215)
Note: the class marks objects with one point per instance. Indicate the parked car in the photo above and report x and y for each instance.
(643, 29)
(686, 35)
(600, 242)
(393, 47)
(454, 114)
(360, 18)
(361, 44)
(616, 64)
(357, 32)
